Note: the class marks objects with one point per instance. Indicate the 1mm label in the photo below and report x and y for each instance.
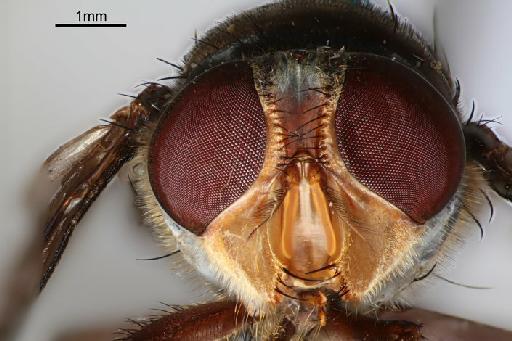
(91, 17)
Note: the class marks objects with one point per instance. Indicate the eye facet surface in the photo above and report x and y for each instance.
(210, 147)
(398, 136)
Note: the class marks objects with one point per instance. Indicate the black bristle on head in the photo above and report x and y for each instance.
(176, 66)
(422, 277)
(471, 114)
(456, 95)
(491, 207)
(171, 78)
(475, 220)
(126, 95)
(161, 257)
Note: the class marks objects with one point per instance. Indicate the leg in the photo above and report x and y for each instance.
(341, 326)
(427, 325)
(495, 156)
(438, 326)
(86, 164)
(209, 321)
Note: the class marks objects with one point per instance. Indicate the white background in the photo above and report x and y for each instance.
(57, 82)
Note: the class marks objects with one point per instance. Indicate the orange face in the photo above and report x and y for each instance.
(311, 223)
(324, 231)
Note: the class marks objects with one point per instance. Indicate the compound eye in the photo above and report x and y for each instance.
(399, 136)
(210, 146)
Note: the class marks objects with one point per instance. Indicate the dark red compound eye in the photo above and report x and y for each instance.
(398, 136)
(210, 147)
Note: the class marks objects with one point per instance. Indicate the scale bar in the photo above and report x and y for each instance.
(90, 25)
